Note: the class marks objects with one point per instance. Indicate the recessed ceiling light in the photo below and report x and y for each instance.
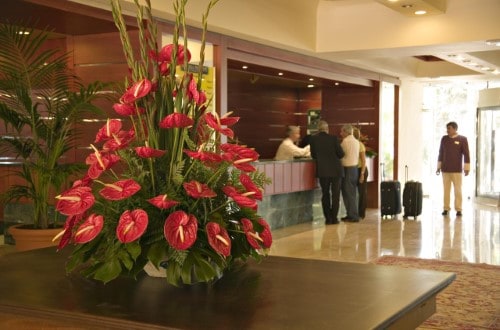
(311, 79)
(420, 12)
(336, 84)
(310, 86)
(280, 73)
(244, 67)
(24, 32)
(407, 6)
(493, 42)
(496, 71)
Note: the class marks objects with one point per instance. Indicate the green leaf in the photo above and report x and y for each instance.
(157, 252)
(108, 271)
(126, 259)
(134, 249)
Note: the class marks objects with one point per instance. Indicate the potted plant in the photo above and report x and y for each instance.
(164, 190)
(40, 102)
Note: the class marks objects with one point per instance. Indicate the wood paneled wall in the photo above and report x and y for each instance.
(265, 112)
(358, 106)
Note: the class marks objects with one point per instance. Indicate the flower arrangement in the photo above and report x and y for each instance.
(167, 190)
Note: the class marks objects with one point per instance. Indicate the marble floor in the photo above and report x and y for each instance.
(473, 238)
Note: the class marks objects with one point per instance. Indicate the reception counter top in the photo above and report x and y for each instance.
(279, 293)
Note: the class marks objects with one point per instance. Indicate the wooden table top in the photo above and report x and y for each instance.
(279, 293)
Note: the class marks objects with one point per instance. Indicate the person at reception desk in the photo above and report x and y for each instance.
(288, 148)
(327, 152)
(350, 182)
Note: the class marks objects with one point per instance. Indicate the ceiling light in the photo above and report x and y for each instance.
(493, 42)
(24, 32)
(244, 67)
(280, 73)
(496, 71)
(311, 79)
(407, 6)
(420, 12)
(336, 84)
(485, 68)
(310, 86)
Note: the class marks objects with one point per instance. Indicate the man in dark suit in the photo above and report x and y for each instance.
(327, 152)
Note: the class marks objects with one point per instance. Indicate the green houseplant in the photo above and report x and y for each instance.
(40, 102)
(164, 190)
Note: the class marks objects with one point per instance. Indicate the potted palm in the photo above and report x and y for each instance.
(40, 102)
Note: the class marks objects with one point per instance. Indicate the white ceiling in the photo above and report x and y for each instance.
(368, 34)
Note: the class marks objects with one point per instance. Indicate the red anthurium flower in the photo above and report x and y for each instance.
(265, 234)
(86, 181)
(138, 90)
(120, 140)
(204, 156)
(128, 109)
(218, 238)
(213, 120)
(202, 99)
(192, 91)
(247, 182)
(162, 202)
(89, 229)
(99, 162)
(112, 126)
(147, 152)
(176, 120)
(120, 190)
(253, 238)
(164, 68)
(244, 165)
(180, 230)
(165, 54)
(241, 199)
(132, 225)
(75, 201)
(240, 152)
(67, 231)
(196, 189)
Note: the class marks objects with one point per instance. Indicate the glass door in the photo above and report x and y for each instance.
(488, 147)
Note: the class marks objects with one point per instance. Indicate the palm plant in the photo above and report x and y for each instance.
(40, 102)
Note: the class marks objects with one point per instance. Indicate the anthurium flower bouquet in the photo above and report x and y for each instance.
(166, 190)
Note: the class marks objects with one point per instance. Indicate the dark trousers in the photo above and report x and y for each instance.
(362, 192)
(349, 191)
(330, 198)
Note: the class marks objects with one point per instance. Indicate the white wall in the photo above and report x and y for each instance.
(410, 131)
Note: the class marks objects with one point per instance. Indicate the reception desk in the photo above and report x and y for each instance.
(292, 197)
(279, 293)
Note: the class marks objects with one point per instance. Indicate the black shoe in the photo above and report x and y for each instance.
(344, 218)
(444, 212)
(333, 223)
(459, 213)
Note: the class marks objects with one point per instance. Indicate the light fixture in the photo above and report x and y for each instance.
(407, 6)
(310, 86)
(24, 32)
(496, 71)
(485, 68)
(337, 83)
(420, 12)
(493, 42)
(311, 79)
(280, 73)
(244, 67)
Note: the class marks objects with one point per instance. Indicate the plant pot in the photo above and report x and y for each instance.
(31, 239)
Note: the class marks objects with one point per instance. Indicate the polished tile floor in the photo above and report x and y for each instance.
(473, 238)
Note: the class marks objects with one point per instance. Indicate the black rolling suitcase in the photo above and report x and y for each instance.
(390, 198)
(412, 197)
